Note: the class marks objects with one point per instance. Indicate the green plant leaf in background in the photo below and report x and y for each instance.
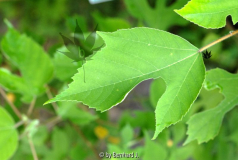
(64, 67)
(12, 82)
(205, 125)
(60, 145)
(1, 58)
(70, 22)
(155, 17)
(153, 150)
(70, 110)
(34, 64)
(110, 24)
(39, 138)
(138, 119)
(132, 56)
(157, 88)
(8, 135)
(209, 14)
(206, 100)
(127, 135)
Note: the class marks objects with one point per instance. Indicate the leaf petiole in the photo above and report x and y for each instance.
(217, 41)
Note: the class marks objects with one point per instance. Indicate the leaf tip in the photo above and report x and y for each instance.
(186, 142)
(101, 33)
(8, 23)
(49, 101)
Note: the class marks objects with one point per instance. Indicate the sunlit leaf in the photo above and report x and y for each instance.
(209, 14)
(132, 56)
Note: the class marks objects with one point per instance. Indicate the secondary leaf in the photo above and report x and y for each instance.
(64, 67)
(206, 100)
(34, 64)
(132, 56)
(13, 83)
(210, 14)
(127, 135)
(155, 17)
(206, 125)
(110, 24)
(153, 150)
(157, 88)
(138, 119)
(60, 145)
(70, 110)
(8, 135)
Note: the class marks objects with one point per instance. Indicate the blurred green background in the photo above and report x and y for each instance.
(76, 132)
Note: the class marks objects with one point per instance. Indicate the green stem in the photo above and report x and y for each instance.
(31, 106)
(217, 41)
(33, 150)
(50, 96)
(14, 108)
(83, 71)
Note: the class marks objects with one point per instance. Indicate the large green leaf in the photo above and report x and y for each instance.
(155, 17)
(210, 14)
(206, 125)
(132, 56)
(35, 66)
(8, 135)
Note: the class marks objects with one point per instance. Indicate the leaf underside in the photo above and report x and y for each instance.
(132, 56)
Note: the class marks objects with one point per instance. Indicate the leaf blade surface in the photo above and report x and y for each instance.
(209, 14)
(132, 56)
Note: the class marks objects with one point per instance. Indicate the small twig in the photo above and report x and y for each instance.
(50, 96)
(87, 142)
(33, 150)
(83, 72)
(217, 41)
(14, 108)
(31, 106)
(229, 26)
(53, 121)
(18, 124)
